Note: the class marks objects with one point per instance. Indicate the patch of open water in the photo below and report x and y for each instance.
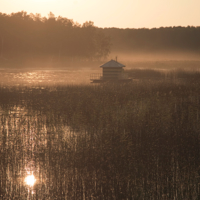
(44, 77)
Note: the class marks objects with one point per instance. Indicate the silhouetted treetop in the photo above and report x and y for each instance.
(155, 39)
(24, 34)
(28, 35)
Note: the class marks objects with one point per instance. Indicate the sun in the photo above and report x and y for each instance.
(30, 180)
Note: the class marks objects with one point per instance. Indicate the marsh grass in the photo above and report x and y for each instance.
(119, 141)
(160, 74)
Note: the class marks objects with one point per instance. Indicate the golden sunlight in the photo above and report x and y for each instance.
(30, 180)
(42, 1)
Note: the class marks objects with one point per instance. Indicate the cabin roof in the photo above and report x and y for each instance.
(112, 63)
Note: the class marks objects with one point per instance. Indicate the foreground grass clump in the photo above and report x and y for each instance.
(133, 141)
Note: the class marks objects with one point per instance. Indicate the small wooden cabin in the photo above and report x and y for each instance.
(111, 71)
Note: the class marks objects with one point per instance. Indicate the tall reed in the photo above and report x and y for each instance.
(116, 141)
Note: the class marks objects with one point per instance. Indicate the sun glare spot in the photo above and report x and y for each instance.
(30, 180)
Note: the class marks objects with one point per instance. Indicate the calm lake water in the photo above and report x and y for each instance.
(45, 77)
(31, 142)
(138, 141)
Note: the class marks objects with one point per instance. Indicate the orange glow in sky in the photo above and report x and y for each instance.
(114, 13)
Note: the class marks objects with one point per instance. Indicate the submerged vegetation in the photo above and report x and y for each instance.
(119, 141)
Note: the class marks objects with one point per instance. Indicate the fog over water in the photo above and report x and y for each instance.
(62, 137)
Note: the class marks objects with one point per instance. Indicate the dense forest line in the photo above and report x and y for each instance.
(22, 35)
(32, 36)
(156, 39)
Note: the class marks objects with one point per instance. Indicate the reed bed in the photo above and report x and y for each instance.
(176, 74)
(115, 141)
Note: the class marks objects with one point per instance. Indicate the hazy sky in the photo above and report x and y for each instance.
(114, 13)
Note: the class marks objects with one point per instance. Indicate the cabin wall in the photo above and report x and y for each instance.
(112, 73)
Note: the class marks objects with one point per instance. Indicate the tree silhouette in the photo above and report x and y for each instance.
(32, 35)
(156, 39)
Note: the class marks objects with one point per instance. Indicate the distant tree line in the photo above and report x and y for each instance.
(23, 34)
(28, 35)
(156, 39)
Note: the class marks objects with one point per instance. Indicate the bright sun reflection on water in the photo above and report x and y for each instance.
(30, 180)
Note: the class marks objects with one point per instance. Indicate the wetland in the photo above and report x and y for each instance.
(138, 140)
